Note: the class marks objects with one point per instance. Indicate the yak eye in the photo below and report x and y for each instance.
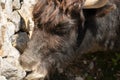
(60, 1)
(62, 29)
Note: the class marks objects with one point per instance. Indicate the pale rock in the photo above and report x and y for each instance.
(10, 51)
(7, 30)
(3, 18)
(2, 78)
(10, 29)
(6, 33)
(8, 7)
(16, 4)
(91, 65)
(11, 72)
(0, 64)
(15, 19)
(79, 78)
(0, 8)
(10, 24)
(0, 41)
(13, 61)
(30, 2)
(3, 22)
(2, 2)
(1, 52)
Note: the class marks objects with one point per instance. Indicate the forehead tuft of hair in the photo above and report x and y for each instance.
(53, 12)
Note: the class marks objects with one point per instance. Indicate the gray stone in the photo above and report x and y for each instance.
(91, 65)
(9, 50)
(20, 40)
(8, 7)
(2, 2)
(3, 18)
(16, 4)
(10, 29)
(7, 31)
(79, 78)
(0, 8)
(10, 24)
(2, 78)
(15, 19)
(11, 72)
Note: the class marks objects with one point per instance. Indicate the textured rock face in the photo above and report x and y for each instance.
(10, 69)
(15, 24)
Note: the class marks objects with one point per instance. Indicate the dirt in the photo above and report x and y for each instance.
(93, 66)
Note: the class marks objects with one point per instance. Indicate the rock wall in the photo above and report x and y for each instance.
(15, 30)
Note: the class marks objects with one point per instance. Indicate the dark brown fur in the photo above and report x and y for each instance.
(54, 38)
(49, 13)
(58, 33)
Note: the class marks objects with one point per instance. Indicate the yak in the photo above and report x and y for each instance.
(65, 29)
(101, 33)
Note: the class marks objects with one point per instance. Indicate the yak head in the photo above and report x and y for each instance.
(53, 43)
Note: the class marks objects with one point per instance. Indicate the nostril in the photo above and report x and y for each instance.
(28, 72)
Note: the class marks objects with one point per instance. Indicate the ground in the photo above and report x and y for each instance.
(93, 66)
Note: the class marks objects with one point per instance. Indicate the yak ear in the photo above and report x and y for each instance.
(101, 12)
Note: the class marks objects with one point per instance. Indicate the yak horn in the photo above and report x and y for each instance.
(91, 4)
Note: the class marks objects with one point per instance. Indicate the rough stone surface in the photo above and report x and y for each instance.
(79, 78)
(12, 40)
(15, 19)
(20, 40)
(8, 7)
(10, 71)
(2, 78)
(16, 4)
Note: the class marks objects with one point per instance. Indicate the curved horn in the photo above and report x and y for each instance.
(91, 4)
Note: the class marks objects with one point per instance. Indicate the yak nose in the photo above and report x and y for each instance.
(25, 63)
